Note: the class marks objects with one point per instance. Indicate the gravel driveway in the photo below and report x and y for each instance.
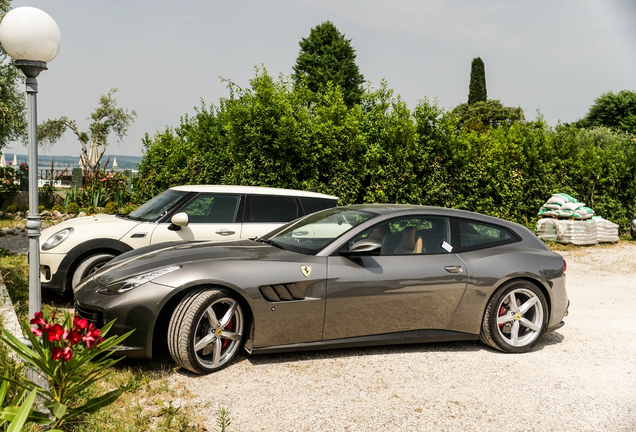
(580, 378)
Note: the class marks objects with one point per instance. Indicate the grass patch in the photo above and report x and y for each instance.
(150, 401)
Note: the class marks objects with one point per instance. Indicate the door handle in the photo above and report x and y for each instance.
(453, 269)
(225, 232)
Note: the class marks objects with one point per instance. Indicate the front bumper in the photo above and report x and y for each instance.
(136, 309)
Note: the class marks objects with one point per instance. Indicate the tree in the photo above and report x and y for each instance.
(477, 89)
(12, 102)
(482, 115)
(613, 110)
(326, 56)
(106, 119)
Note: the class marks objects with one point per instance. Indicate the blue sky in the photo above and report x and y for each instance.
(552, 56)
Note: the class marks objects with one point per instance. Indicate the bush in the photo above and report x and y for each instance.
(13, 208)
(91, 210)
(111, 208)
(41, 208)
(276, 134)
(57, 207)
(72, 208)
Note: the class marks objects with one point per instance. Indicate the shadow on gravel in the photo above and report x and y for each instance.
(261, 359)
(163, 364)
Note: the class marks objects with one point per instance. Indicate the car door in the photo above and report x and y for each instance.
(416, 283)
(210, 217)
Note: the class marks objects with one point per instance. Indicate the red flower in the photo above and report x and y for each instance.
(74, 337)
(56, 353)
(62, 354)
(93, 336)
(36, 331)
(38, 320)
(54, 332)
(79, 323)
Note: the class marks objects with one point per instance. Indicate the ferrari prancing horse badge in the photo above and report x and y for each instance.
(306, 270)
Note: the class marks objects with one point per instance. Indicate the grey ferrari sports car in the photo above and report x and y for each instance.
(348, 276)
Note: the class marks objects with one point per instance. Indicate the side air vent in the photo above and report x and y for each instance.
(277, 293)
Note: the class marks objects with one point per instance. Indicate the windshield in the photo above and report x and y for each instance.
(156, 207)
(311, 234)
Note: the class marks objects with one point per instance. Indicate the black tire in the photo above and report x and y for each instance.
(515, 327)
(220, 337)
(89, 266)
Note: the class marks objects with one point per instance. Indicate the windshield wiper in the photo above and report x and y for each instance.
(270, 242)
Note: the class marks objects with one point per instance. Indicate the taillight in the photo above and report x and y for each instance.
(565, 265)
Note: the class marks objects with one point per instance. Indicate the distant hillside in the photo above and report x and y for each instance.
(61, 162)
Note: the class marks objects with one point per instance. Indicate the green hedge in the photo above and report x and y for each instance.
(276, 134)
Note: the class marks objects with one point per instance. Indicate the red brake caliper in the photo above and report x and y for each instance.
(230, 326)
(501, 312)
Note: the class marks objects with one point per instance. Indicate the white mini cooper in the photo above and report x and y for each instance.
(78, 247)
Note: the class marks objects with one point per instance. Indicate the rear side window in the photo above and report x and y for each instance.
(263, 208)
(312, 205)
(478, 235)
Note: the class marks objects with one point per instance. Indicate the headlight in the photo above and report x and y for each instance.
(57, 238)
(133, 282)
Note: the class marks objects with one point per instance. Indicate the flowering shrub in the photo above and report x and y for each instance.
(102, 188)
(9, 181)
(71, 357)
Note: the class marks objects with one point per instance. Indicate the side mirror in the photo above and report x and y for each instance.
(364, 247)
(177, 221)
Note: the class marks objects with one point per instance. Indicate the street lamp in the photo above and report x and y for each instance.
(32, 38)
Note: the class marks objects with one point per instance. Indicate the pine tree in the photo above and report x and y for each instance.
(477, 91)
(327, 56)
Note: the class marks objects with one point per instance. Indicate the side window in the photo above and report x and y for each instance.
(419, 235)
(263, 208)
(312, 205)
(477, 235)
(210, 208)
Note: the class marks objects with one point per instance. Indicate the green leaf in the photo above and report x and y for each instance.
(95, 404)
(8, 414)
(3, 390)
(57, 409)
(22, 414)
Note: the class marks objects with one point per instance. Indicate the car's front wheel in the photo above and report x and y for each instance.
(206, 330)
(516, 317)
(89, 266)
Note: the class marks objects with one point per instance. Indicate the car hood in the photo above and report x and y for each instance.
(168, 254)
(85, 228)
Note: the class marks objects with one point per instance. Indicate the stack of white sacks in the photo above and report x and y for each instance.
(606, 231)
(576, 223)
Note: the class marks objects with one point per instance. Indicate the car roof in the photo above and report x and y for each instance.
(383, 209)
(252, 190)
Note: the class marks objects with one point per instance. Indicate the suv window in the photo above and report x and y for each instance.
(312, 205)
(264, 208)
(212, 208)
(477, 235)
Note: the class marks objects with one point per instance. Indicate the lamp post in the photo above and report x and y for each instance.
(32, 38)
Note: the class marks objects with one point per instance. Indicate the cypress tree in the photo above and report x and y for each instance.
(477, 91)
(327, 56)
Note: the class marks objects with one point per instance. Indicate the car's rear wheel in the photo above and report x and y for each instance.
(515, 318)
(206, 330)
(89, 266)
